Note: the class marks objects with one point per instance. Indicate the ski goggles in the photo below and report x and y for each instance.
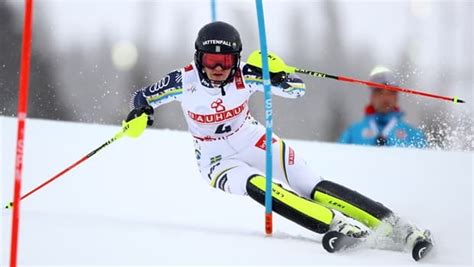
(211, 61)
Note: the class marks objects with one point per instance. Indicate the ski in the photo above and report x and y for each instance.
(421, 247)
(334, 241)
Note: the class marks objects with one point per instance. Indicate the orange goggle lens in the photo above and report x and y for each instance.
(211, 61)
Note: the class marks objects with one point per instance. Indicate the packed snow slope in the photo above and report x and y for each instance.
(142, 201)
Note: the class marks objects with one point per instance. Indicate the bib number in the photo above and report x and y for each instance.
(223, 129)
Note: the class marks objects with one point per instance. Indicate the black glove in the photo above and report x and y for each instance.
(278, 78)
(137, 112)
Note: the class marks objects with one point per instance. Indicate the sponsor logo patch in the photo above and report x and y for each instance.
(239, 82)
(261, 142)
(291, 156)
(217, 117)
(216, 159)
(217, 105)
(164, 82)
(197, 154)
(217, 42)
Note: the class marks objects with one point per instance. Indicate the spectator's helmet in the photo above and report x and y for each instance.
(383, 75)
(217, 38)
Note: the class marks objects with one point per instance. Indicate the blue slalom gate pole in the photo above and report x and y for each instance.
(213, 10)
(268, 118)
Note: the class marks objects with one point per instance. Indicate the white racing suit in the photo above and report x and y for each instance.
(229, 143)
(230, 148)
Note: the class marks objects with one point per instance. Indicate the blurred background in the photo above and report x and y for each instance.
(89, 56)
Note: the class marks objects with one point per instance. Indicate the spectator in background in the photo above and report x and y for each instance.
(383, 124)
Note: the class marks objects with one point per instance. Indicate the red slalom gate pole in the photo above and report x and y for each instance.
(22, 110)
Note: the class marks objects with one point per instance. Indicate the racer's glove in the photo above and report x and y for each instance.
(137, 112)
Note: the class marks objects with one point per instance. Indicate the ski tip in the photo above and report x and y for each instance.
(421, 249)
(330, 241)
(334, 241)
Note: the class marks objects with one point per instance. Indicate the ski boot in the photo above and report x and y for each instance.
(342, 234)
(410, 238)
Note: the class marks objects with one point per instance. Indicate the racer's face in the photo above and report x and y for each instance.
(218, 66)
(384, 101)
(218, 74)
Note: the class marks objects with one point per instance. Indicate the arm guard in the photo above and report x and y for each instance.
(350, 203)
(167, 89)
(308, 214)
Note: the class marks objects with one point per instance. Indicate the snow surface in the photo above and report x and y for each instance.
(142, 201)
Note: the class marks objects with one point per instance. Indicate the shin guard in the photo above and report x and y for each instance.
(350, 203)
(308, 214)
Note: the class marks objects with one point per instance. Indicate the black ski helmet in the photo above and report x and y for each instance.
(218, 38)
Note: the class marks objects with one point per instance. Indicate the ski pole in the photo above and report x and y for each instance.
(377, 85)
(278, 65)
(133, 128)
